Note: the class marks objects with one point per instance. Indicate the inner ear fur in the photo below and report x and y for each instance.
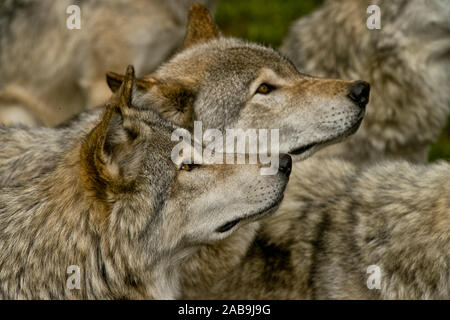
(200, 27)
(174, 100)
(176, 103)
(97, 171)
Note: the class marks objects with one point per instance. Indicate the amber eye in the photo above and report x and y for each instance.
(265, 88)
(188, 167)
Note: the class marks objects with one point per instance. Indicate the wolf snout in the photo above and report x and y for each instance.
(359, 93)
(285, 165)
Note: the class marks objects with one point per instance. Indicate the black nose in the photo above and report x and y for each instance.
(359, 93)
(285, 165)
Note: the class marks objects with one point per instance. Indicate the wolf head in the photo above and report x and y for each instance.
(228, 83)
(127, 167)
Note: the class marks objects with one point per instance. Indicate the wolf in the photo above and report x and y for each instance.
(112, 204)
(343, 231)
(407, 62)
(36, 46)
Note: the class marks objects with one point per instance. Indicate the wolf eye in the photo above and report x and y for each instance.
(188, 166)
(265, 88)
(185, 167)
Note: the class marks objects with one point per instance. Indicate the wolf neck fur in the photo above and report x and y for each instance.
(55, 203)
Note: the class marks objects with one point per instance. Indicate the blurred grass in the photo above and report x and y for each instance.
(263, 21)
(441, 148)
(268, 21)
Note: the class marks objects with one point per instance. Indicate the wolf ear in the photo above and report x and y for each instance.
(115, 80)
(200, 27)
(108, 146)
(174, 100)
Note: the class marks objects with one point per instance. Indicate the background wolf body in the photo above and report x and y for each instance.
(112, 202)
(338, 219)
(407, 63)
(50, 73)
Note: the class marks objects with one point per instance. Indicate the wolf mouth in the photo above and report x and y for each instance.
(266, 211)
(334, 139)
(303, 149)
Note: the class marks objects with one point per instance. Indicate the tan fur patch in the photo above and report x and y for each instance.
(200, 27)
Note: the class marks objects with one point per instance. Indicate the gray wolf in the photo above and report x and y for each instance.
(337, 221)
(111, 201)
(50, 73)
(407, 62)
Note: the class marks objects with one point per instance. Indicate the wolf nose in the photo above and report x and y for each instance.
(285, 165)
(359, 93)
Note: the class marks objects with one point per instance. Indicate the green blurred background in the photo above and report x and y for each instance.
(268, 21)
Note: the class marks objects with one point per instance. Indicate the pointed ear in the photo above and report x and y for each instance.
(99, 172)
(200, 26)
(126, 90)
(109, 145)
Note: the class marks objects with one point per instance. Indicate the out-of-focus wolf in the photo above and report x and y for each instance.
(49, 73)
